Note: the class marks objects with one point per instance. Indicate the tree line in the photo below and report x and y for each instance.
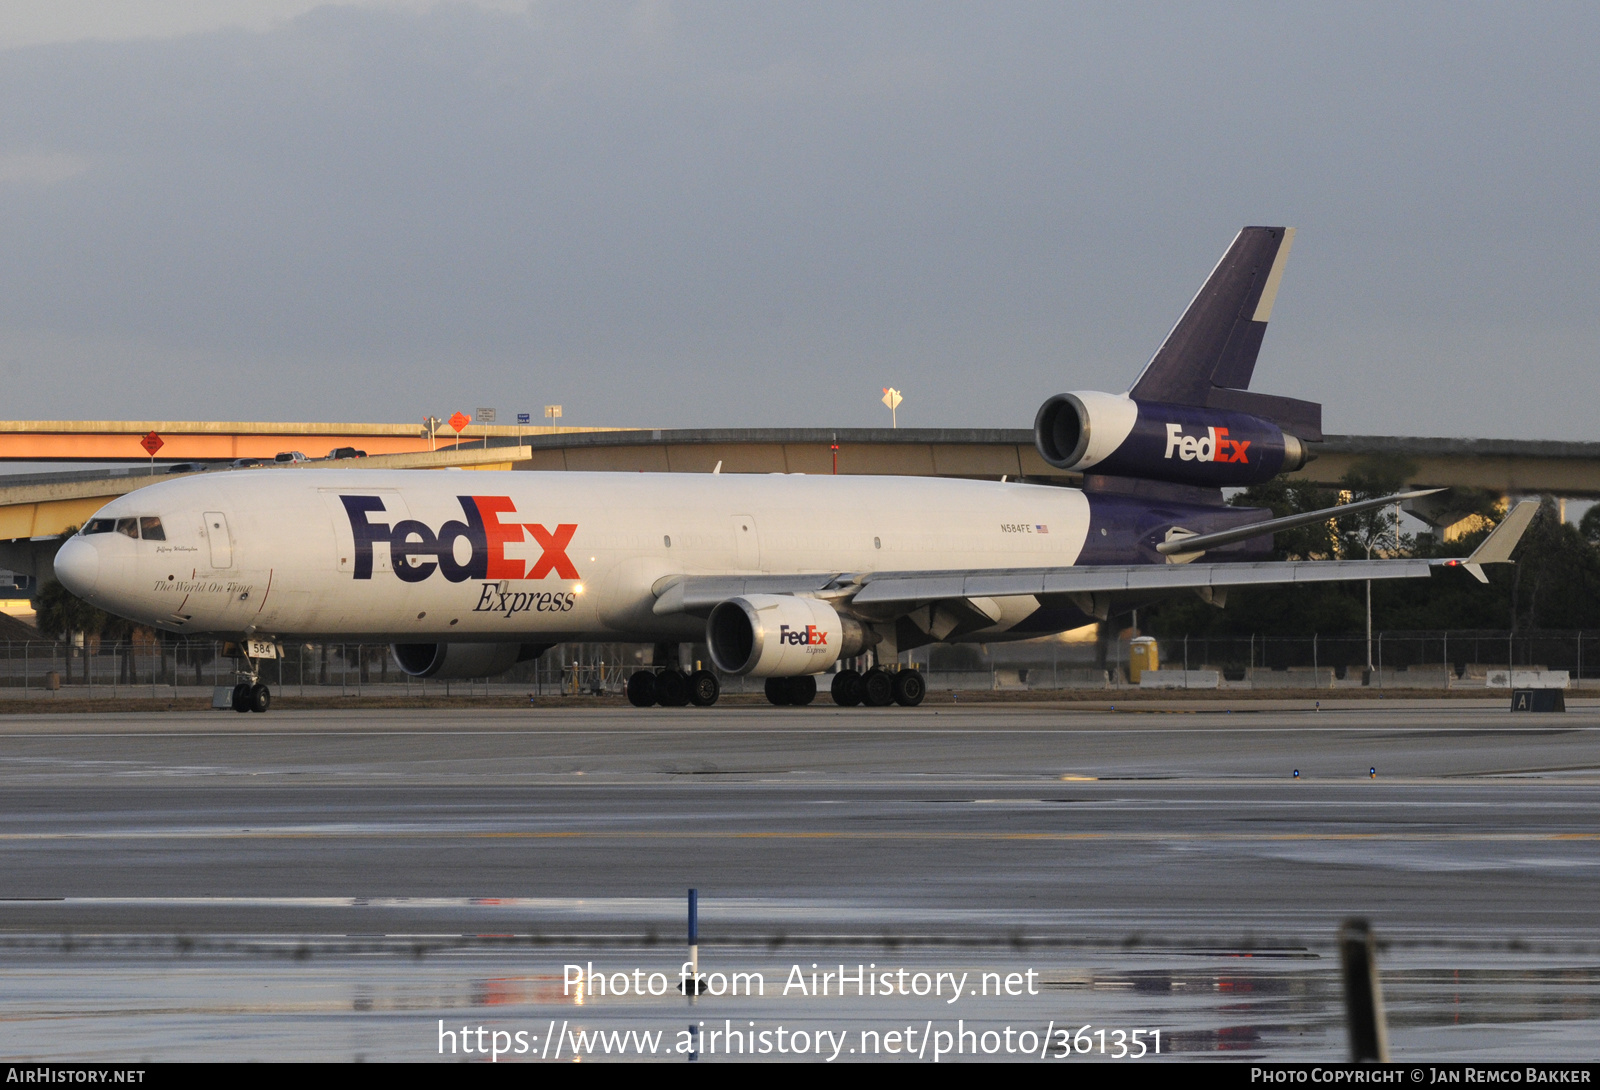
(1553, 585)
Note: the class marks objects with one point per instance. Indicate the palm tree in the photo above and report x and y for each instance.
(63, 615)
(1370, 478)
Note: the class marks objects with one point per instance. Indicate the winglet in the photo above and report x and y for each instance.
(1496, 548)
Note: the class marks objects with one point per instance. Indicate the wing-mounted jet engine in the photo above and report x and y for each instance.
(781, 635)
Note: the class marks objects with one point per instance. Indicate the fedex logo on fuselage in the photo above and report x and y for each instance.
(809, 636)
(1213, 446)
(416, 550)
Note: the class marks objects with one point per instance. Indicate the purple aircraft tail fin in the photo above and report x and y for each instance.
(1209, 356)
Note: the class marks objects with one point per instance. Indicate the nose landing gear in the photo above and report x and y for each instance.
(250, 694)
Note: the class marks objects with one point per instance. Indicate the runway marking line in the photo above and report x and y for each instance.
(1446, 838)
(871, 732)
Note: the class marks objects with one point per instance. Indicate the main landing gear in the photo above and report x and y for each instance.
(673, 688)
(798, 691)
(878, 688)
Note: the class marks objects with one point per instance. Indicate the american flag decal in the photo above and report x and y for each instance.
(1042, 529)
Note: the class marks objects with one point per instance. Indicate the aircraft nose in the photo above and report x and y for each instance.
(78, 566)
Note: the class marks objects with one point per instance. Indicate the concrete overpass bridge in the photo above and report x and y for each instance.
(1507, 467)
(223, 441)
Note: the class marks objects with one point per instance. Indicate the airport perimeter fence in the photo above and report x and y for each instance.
(1437, 659)
(189, 667)
(125, 668)
(1458, 652)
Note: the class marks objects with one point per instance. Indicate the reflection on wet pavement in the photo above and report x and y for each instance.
(362, 885)
(318, 1002)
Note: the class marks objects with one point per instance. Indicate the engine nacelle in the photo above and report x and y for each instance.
(454, 661)
(1185, 444)
(779, 635)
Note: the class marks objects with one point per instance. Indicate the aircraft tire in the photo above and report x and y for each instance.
(802, 690)
(847, 688)
(909, 688)
(704, 688)
(260, 698)
(672, 689)
(241, 697)
(778, 691)
(642, 688)
(877, 688)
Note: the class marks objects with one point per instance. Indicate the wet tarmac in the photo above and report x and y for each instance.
(354, 884)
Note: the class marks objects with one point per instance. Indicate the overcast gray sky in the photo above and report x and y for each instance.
(686, 214)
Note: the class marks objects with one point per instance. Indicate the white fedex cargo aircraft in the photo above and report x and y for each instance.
(782, 575)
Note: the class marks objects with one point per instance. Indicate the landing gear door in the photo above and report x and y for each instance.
(220, 539)
(746, 543)
(388, 510)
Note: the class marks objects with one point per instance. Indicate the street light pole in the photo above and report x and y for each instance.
(1369, 617)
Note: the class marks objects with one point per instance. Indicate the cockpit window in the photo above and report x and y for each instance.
(145, 526)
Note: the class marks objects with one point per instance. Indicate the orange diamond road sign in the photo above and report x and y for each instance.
(459, 421)
(152, 443)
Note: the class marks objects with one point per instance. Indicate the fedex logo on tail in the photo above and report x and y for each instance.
(809, 636)
(416, 550)
(1214, 446)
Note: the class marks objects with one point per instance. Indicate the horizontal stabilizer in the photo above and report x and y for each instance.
(1302, 419)
(1497, 547)
(1196, 543)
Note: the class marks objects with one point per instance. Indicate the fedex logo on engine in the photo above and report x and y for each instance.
(1213, 446)
(416, 550)
(809, 636)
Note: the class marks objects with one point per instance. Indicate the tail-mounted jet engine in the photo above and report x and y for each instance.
(1185, 444)
(454, 661)
(779, 635)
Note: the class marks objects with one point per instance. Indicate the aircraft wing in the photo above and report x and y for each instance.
(699, 594)
(918, 587)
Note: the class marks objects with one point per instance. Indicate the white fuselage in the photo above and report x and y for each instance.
(555, 556)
